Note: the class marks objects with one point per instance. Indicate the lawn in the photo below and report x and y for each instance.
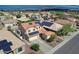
(57, 12)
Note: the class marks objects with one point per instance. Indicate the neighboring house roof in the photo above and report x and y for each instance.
(63, 22)
(71, 19)
(43, 31)
(26, 26)
(35, 17)
(44, 23)
(9, 21)
(6, 35)
(23, 19)
(5, 46)
(55, 27)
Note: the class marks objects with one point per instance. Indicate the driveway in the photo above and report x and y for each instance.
(44, 47)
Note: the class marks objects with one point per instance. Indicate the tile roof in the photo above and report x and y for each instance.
(9, 21)
(27, 25)
(43, 31)
(63, 22)
(72, 19)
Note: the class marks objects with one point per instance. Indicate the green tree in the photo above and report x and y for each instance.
(9, 28)
(18, 15)
(65, 30)
(26, 15)
(1, 14)
(35, 47)
(51, 38)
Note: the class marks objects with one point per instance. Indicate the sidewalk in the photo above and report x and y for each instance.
(66, 39)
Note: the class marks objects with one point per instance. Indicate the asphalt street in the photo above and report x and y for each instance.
(71, 47)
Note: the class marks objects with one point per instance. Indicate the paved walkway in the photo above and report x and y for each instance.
(66, 39)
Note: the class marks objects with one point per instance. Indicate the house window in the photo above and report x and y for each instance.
(33, 29)
(20, 49)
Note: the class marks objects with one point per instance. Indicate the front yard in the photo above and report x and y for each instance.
(53, 41)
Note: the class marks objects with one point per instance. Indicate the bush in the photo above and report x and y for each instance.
(65, 30)
(18, 16)
(9, 28)
(51, 38)
(35, 47)
(1, 14)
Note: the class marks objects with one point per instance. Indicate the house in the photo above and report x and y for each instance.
(64, 22)
(54, 27)
(45, 15)
(10, 44)
(9, 22)
(36, 17)
(23, 19)
(44, 23)
(50, 25)
(44, 34)
(29, 31)
(72, 19)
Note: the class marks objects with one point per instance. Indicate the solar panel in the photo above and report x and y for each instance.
(44, 23)
(39, 23)
(33, 33)
(47, 23)
(5, 46)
